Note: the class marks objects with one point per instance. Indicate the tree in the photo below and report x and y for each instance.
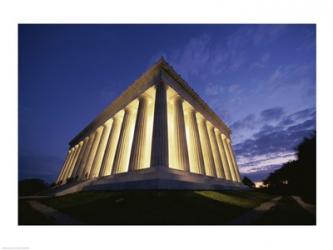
(31, 186)
(247, 181)
(299, 176)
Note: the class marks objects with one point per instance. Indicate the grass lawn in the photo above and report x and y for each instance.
(157, 207)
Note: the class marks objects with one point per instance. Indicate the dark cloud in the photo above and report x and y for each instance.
(274, 139)
(272, 114)
(303, 114)
(298, 117)
(286, 121)
(308, 124)
(251, 121)
(262, 174)
(247, 123)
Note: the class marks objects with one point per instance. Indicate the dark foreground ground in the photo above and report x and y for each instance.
(166, 208)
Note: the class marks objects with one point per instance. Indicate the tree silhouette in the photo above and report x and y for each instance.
(31, 186)
(299, 176)
(247, 181)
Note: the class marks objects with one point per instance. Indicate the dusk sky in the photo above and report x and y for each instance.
(260, 79)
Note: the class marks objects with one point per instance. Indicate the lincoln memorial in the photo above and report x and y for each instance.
(158, 134)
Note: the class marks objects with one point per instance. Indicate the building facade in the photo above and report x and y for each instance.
(158, 133)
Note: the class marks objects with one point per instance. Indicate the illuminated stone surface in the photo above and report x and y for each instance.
(141, 146)
(158, 134)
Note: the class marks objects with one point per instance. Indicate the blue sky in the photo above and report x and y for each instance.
(260, 79)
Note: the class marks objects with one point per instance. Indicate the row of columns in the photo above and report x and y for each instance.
(125, 142)
(110, 149)
(194, 146)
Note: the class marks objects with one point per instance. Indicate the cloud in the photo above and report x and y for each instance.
(291, 75)
(272, 114)
(308, 124)
(252, 121)
(274, 143)
(202, 55)
(193, 58)
(298, 117)
(262, 62)
(286, 121)
(259, 165)
(247, 122)
(303, 114)
(234, 89)
(265, 34)
(213, 89)
(272, 139)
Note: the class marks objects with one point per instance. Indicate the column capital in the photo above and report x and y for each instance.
(191, 110)
(200, 117)
(99, 129)
(144, 97)
(210, 126)
(108, 122)
(161, 84)
(130, 108)
(119, 114)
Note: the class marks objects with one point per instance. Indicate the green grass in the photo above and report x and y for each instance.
(28, 216)
(157, 207)
(239, 198)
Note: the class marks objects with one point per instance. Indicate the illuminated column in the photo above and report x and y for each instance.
(75, 160)
(181, 153)
(79, 160)
(70, 163)
(64, 177)
(159, 151)
(215, 150)
(222, 154)
(82, 172)
(141, 144)
(122, 156)
(79, 156)
(112, 143)
(100, 150)
(227, 153)
(93, 151)
(77, 152)
(232, 154)
(205, 145)
(64, 166)
(193, 141)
